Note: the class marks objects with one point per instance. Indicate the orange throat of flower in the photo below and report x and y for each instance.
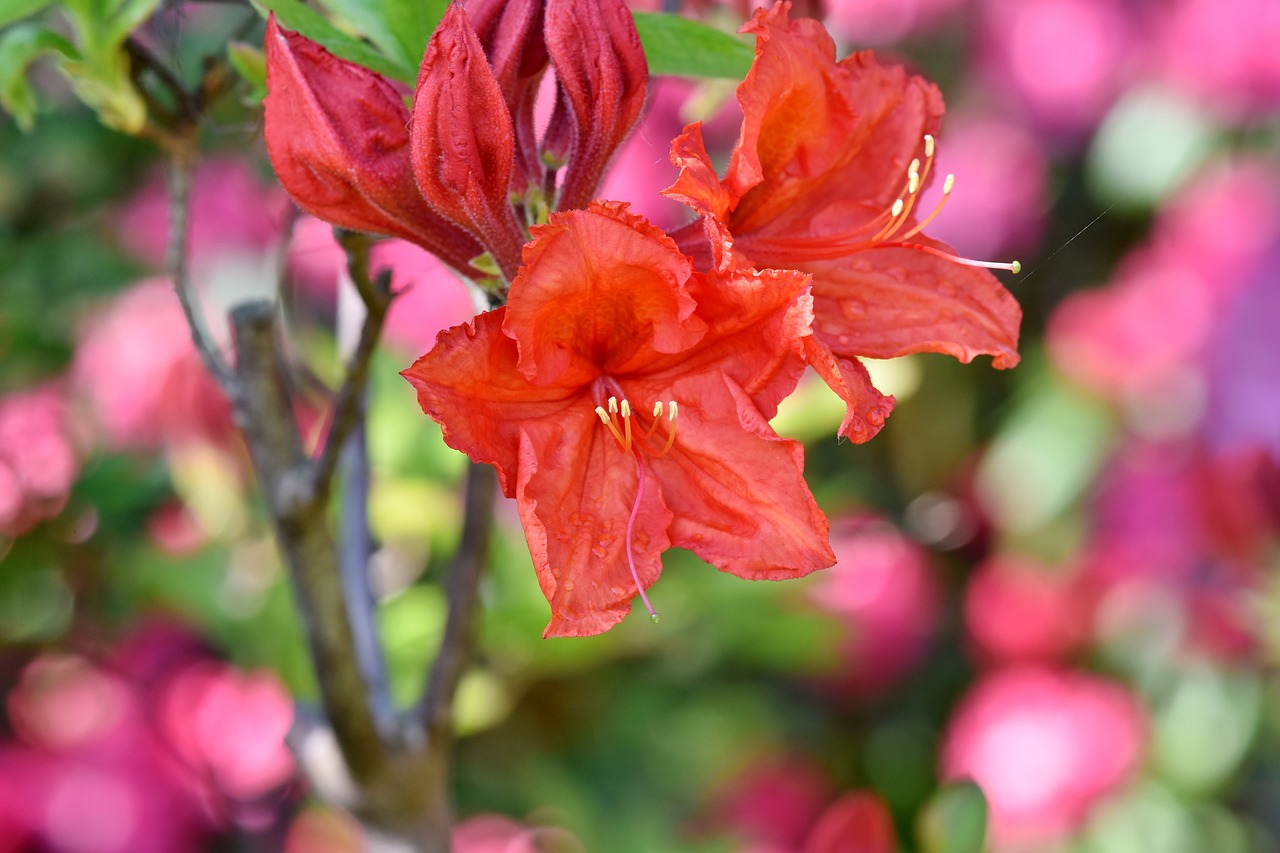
(892, 228)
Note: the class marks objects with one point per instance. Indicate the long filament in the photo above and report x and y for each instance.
(631, 523)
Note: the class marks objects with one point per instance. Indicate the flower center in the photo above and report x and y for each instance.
(618, 418)
(890, 229)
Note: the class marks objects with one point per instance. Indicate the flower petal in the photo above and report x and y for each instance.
(816, 131)
(603, 77)
(576, 492)
(469, 384)
(462, 144)
(737, 489)
(346, 159)
(601, 290)
(887, 302)
(865, 407)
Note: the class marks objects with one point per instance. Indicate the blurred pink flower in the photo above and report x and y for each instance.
(1045, 747)
(38, 459)
(139, 371)
(883, 590)
(228, 727)
(642, 169)
(1063, 60)
(1223, 52)
(773, 802)
(1135, 338)
(497, 834)
(230, 210)
(864, 23)
(87, 774)
(998, 206)
(1174, 528)
(858, 822)
(429, 298)
(1244, 369)
(1019, 611)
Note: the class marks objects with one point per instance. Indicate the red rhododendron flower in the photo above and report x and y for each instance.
(825, 178)
(624, 399)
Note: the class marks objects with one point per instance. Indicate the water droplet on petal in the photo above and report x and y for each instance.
(875, 416)
(655, 618)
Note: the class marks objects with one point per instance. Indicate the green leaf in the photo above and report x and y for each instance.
(680, 47)
(399, 28)
(16, 10)
(251, 64)
(19, 47)
(130, 15)
(954, 820)
(293, 15)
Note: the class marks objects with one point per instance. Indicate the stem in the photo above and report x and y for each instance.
(462, 592)
(180, 171)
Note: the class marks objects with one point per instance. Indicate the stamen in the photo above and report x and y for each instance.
(1014, 267)
(671, 429)
(657, 415)
(626, 421)
(928, 145)
(608, 421)
(946, 193)
(631, 523)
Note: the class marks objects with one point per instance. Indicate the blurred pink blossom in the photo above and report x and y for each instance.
(139, 371)
(773, 803)
(1224, 52)
(229, 726)
(1176, 529)
(1019, 611)
(1045, 747)
(642, 169)
(997, 209)
(230, 210)
(876, 22)
(38, 458)
(1063, 60)
(1135, 338)
(497, 834)
(883, 590)
(429, 297)
(87, 774)
(858, 822)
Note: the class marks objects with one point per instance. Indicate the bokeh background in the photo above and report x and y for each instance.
(1061, 581)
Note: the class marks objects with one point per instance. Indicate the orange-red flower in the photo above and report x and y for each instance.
(825, 178)
(624, 398)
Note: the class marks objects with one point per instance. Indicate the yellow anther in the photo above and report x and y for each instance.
(896, 210)
(948, 184)
(613, 405)
(928, 145)
(626, 409)
(913, 183)
(914, 168)
(657, 409)
(674, 411)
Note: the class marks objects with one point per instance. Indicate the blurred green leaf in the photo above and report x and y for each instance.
(19, 47)
(680, 47)
(954, 820)
(251, 64)
(293, 15)
(127, 17)
(399, 28)
(16, 10)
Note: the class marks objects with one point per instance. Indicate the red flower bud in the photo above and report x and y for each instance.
(462, 143)
(346, 159)
(603, 77)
